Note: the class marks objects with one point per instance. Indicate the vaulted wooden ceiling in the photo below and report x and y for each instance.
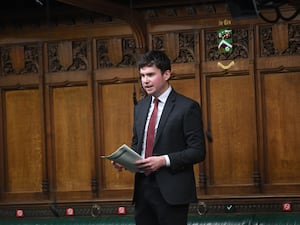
(18, 12)
(36, 12)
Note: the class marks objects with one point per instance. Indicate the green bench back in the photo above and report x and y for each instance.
(270, 219)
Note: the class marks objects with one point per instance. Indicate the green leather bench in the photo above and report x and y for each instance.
(245, 219)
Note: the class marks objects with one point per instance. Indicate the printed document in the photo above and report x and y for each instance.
(125, 156)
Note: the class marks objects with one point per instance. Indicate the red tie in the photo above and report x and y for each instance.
(151, 130)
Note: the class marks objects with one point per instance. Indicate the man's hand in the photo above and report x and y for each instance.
(151, 164)
(118, 166)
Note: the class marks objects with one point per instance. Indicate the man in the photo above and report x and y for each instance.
(162, 193)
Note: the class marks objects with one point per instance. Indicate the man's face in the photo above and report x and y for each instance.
(153, 81)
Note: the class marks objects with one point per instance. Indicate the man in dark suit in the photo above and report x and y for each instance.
(162, 193)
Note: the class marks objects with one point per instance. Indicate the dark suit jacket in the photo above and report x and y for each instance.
(180, 136)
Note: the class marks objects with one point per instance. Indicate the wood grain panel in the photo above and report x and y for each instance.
(117, 118)
(72, 121)
(281, 112)
(23, 154)
(186, 87)
(65, 53)
(17, 58)
(231, 106)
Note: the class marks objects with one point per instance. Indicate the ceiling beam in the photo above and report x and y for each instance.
(133, 17)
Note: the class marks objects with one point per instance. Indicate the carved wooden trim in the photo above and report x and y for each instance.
(127, 52)
(179, 46)
(57, 51)
(20, 59)
(267, 46)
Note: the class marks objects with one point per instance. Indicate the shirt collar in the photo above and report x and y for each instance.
(163, 97)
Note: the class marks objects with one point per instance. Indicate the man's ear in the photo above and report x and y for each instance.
(167, 74)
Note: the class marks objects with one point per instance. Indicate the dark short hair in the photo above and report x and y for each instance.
(157, 58)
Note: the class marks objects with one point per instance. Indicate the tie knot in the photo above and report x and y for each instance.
(155, 101)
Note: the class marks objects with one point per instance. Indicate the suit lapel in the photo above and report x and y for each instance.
(142, 122)
(169, 105)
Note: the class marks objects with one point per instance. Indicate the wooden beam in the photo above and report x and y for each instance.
(133, 17)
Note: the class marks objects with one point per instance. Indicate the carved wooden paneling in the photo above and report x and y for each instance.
(281, 122)
(268, 49)
(73, 85)
(20, 59)
(72, 139)
(179, 46)
(115, 52)
(231, 121)
(23, 156)
(67, 56)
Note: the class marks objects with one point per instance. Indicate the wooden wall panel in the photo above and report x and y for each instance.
(187, 87)
(23, 155)
(250, 112)
(281, 115)
(231, 110)
(72, 127)
(117, 120)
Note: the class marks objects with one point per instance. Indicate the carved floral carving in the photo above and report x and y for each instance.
(103, 60)
(267, 46)
(185, 49)
(128, 54)
(158, 42)
(7, 63)
(78, 53)
(128, 49)
(28, 55)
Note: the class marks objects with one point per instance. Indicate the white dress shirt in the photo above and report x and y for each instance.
(161, 104)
